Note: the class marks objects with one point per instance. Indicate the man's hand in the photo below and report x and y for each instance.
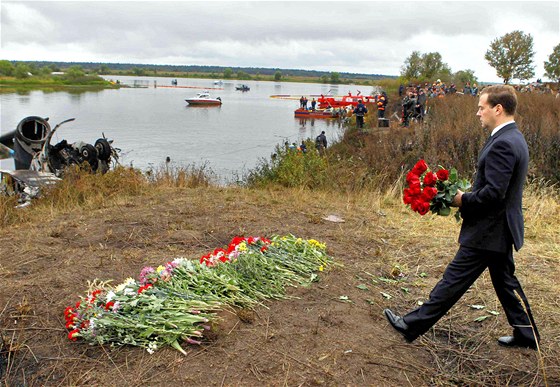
(458, 199)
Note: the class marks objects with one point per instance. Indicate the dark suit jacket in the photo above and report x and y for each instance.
(492, 214)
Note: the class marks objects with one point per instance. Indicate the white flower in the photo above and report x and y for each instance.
(129, 292)
(110, 295)
(127, 282)
(179, 261)
(152, 347)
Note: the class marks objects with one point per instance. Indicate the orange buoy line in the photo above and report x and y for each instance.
(192, 87)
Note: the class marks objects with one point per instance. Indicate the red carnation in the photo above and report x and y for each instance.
(430, 179)
(415, 189)
(73, 335)
(422, 207)
(407, 196)
(442, 174)
(420, 167)
(412, 178)
(429, 193)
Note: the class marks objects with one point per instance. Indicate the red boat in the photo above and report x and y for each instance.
(331, 101)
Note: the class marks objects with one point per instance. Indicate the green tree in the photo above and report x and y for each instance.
(228, 73)
(412, 67)
(324, 79)
(45, 71)
(432, 66)
(21, 71)
(138, 71)
(335, 77)
(428, 66)
(6, 68)
(74, 72)
(512, 56)
(464, 76)
(104, 69)
(552, 66)
(277, 75)
(243, 75)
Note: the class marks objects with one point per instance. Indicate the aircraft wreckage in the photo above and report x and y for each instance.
(39, 163)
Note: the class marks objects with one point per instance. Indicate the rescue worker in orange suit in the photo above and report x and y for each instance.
(381, 102)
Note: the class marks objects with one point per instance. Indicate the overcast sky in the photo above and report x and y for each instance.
(363, 37)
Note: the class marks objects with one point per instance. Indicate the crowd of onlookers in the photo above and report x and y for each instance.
(415, 97)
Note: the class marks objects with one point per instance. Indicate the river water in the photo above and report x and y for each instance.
(150, 124)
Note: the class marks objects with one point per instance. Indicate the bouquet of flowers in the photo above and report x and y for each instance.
(176, 301)
(429, 191)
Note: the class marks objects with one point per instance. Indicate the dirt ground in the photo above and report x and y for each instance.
(331, 333)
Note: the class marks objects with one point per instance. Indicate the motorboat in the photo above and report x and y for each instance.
(220, 82)
(242, 88)
(204, 99)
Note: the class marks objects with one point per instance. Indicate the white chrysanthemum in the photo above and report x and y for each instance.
(179, 261)
(110, 295)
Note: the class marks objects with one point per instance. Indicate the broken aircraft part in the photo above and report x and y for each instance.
(31, 149)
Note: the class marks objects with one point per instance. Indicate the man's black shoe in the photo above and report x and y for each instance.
(512, 341)
(400, 326)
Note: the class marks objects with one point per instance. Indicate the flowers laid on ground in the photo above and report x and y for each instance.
(429, 191)
(176, 301)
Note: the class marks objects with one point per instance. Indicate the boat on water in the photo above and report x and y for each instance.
(242, 88)
(322, 113)
(204, 99)
(326, 101)
(220, 82)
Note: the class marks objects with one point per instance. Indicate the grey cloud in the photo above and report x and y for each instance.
(365, 35)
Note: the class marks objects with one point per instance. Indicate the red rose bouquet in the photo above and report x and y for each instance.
(429, 191)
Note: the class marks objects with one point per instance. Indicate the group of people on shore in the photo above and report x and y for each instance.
(320, 144)
(415, 97)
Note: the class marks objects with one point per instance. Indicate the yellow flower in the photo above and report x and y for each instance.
(317, 244)
(242, 246)
(321, 268)
(160, 268)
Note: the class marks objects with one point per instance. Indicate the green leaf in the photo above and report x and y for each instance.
(343, 298)
(422, 275)
(481, 318)
(176, 345)
(444, 211)
(362, 287)
(405, 290)
(493, 312)
(458, 216)
(477, 306)
(453, 175)
(387, 296)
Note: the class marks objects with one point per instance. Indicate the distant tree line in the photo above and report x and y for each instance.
(241, 73)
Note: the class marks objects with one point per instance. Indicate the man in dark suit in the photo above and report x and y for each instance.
(492, 227)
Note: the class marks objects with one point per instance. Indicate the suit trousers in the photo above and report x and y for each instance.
(469, 263)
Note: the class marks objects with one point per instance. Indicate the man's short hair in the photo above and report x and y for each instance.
(503, 95)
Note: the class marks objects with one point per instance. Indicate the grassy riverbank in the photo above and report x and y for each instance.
(10, 84)
(332, 333)
(109, 227)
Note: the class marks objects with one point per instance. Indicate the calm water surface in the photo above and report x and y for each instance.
(149, 124)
